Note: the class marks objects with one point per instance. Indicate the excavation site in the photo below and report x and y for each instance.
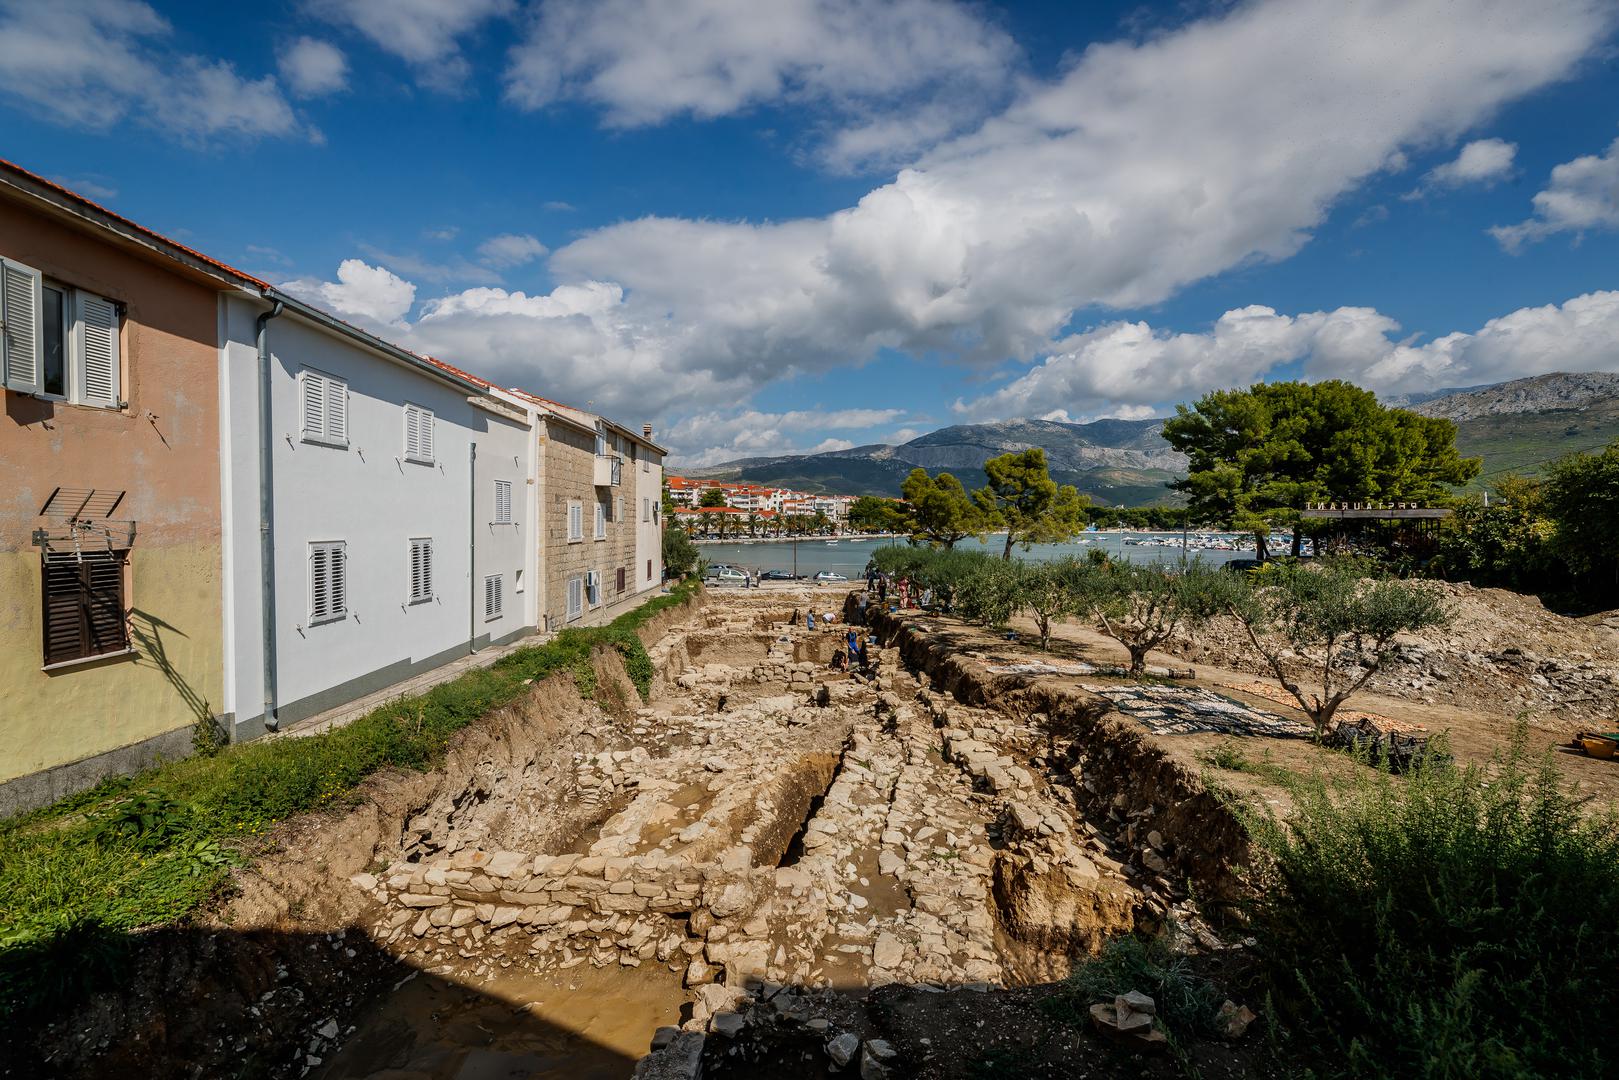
(770, 865)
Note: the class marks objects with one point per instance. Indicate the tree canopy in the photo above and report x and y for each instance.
(879, 514)
(1022, 496)
(711, 497)
(1257, 456)
(941, 511)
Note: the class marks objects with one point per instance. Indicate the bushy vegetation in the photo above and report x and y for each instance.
(1451, 923)
(1187, 1001)
(1552, 536)
(78, 876)
(679, 553)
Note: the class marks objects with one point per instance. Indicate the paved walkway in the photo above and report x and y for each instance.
(350, 711)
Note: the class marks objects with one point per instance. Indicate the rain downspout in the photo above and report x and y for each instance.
(472, 547)
(267, 512)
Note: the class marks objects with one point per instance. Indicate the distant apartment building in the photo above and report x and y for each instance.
(595, 550)
(688, 492)
(226, 509)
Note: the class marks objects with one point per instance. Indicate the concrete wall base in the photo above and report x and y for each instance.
(42, 788)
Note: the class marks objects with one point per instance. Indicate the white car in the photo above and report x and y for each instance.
(829, 577)
(727, 573)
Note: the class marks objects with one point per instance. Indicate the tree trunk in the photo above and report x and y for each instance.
(1298, 540)
(1261, 545)
(1006, 555)
(1138, 660)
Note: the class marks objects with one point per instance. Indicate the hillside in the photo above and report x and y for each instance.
(1519, 426)
(1113, 461)
(1515, 426)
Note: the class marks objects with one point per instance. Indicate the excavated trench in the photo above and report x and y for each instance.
(578, 877)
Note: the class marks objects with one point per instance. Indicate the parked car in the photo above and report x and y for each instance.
(829, 577)
(727, 575)
(778, 575)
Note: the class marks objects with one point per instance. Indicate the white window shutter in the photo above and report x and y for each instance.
(340, 580)
(337, 410)
(22, 340)
(320, 582)
(424, 433)
(412, 443)
(97, 326)
(312, 393)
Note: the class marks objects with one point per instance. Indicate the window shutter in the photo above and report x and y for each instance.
(421, 570)
(340, 580)
(84, 605)
(424, 433)
(492, 596)
(22, 341)
(575, 599)
(503, 502)
(98, 346)
(413, 448)
(312, 387)
(337, 410)
(320, 582)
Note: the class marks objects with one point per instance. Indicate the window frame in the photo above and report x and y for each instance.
(419, 412)
(494, 597)
(576, 536)
(576, 597)
(503, 515)
(334, 613)
(118, 561)
(305, 374)
(601, 519)
(421, 543)
(72, 325)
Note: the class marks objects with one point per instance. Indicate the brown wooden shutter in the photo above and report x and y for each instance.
(84, 605)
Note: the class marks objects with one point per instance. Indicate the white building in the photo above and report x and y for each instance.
(399, 510)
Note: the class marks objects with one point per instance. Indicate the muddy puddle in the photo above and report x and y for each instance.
(583, 1024)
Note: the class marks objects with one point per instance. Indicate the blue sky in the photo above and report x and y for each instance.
(774, 227)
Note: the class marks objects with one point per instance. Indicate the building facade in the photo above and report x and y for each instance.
(226, 511)
(111, 627)
(398, 510)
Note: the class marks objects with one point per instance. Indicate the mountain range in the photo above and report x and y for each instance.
(1514, 426)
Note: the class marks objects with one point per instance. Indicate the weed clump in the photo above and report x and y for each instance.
(1456, 922)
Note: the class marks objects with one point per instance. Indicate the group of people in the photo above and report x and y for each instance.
(906, 592)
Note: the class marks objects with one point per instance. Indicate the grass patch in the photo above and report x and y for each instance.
(1186, 1001)
(1230, 757)
(78, 876)
(1457, 922)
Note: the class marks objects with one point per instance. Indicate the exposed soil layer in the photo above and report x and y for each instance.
(765, 855)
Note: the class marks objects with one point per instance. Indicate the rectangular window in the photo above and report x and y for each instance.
(623, 572)
(83, 605)
(593, 588)
(503, 502)
(324, 408)
(618, 508)
(646, 509)
(421, 570)
(601, 445)
(517, 581)
(418, 434)
(576, 521)
(649, 569)
(601, 520)
(576, 597)
(58, 341)
(493, 596)
(328, 581)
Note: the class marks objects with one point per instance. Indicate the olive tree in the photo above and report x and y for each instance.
(1052, 591)
(1140, 605)
(1340, 624)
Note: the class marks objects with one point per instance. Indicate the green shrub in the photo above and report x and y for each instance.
(1452, 923)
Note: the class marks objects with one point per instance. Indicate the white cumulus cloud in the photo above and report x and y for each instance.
(1132, 370)
(1482, 161)
(510, 249)
(313, 68)
(369, 295)
(716, 436)
(94, 63)
(424, 33)
(901, 73)
(1583, 194)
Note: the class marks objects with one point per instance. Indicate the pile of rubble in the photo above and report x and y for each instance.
(1502, 652)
